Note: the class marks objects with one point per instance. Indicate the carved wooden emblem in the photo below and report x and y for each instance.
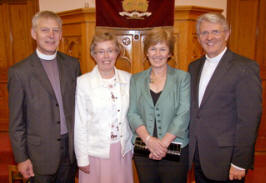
(135, 9)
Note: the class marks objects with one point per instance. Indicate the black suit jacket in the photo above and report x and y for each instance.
(34, 113)
(225, 125)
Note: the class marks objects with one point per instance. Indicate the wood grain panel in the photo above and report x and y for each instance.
(3, 40)
(261, 139)
(261, 40)
(15, 43)
(79, 23)
(3, 107)
(242, 16)
(20, 32)
(71, 45)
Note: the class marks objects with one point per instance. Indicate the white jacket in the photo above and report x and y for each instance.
(92, 132)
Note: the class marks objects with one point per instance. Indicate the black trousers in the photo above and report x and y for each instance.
(162, 171)
(199, 175)
(66, 171)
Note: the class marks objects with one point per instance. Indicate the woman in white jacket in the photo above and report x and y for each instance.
(102, 135)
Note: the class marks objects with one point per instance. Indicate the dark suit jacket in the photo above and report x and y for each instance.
(225, 125)
(34, 113)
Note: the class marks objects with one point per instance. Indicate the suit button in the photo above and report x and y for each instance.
(58, 139)
(56, 105)
(58, 122)
(159, 127)
(158, 115)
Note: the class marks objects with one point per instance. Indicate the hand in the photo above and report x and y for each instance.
(157, 149)
(155, 157)
(85, 169)
(236, 174)
(25, 168)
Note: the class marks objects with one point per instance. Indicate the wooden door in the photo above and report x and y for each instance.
(15, 43)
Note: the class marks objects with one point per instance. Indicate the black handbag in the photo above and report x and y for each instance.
(173, 153)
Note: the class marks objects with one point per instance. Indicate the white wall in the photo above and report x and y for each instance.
(63, 5)
(221, 4)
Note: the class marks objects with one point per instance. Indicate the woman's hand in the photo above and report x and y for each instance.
(158, 150)
(85, 169)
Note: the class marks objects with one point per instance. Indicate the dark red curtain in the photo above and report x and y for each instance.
(134, 13)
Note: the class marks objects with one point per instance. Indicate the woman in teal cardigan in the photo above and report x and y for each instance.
(159, 111)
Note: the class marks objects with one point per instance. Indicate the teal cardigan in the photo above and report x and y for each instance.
(171, 111)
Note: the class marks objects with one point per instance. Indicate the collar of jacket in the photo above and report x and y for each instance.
(97, 80)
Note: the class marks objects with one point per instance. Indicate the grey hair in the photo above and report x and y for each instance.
(212, 18)
(45, 14)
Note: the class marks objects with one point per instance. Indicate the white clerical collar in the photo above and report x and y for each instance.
(45, 57)
(216, 58)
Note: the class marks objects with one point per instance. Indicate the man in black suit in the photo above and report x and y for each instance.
(41, 103)
(226, 106)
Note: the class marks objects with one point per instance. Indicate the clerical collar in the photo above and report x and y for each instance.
(216, 58)
(45, 57)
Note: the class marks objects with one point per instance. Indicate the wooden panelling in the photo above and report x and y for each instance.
(3, 107)
(15, 44)
(19, 32)
(261, 39)
(261, 139)
(78, 29)
(3, 46)
(242, 16)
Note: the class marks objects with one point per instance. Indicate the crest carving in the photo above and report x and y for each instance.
(135, 9)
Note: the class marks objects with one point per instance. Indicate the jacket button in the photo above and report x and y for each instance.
(58, 122)
(58, 139)
(56, 105)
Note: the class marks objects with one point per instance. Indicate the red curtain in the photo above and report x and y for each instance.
(134, 13)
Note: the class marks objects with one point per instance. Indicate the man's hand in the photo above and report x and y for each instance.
(85, 169)
(25, 168)
(236, 174)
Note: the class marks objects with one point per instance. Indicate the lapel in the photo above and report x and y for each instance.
(39, 73)
(195, 84)
(169, 83)
(147, 94)
(217, 76)
(63, 73)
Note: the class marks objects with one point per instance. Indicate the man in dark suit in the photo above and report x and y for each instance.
(41, 103)
(225, 106)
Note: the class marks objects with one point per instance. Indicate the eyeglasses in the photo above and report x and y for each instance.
(102, 52)
(213, 32)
